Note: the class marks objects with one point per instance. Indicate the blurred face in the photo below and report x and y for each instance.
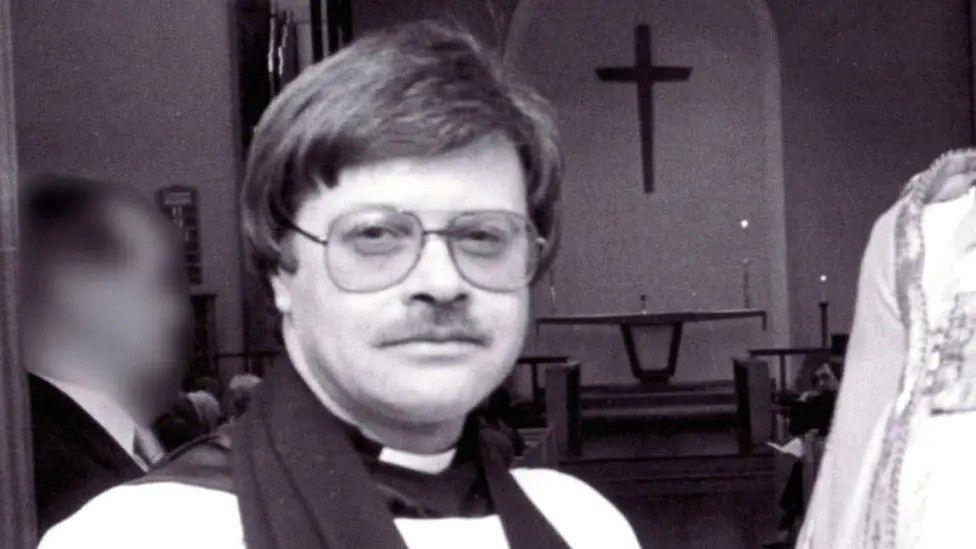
(824, 378)
(431, 346)
(132, 314)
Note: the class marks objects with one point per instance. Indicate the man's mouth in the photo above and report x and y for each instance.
(438, 338)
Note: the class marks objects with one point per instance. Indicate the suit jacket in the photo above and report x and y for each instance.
(75, 459)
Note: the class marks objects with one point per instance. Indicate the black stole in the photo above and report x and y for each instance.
(300, 483)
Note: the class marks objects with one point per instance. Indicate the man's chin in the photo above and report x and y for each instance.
(429, 411)
(432, 387)
(433, 401)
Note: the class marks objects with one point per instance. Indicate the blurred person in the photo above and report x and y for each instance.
(105, 315)
(180, 425)
(898, 468)
(240, 391)
(205, 402)
(400, 197)
(208, 384)
(811, 410)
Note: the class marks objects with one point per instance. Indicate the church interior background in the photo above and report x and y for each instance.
(725, 162)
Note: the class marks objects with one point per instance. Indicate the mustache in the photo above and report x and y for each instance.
(459, 328)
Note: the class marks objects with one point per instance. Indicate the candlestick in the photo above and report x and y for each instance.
(824, 328)
(643, 300)
(823, 287)
(552, 290)
(746, 300)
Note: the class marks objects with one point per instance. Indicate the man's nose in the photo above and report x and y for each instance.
(435, 279)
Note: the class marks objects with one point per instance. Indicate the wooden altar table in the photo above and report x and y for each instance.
(674, 320)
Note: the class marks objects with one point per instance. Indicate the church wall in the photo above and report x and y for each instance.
(141, 92)
(488, 19)
(717, 163)
(872, 92)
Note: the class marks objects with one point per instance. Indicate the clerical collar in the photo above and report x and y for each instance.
(432, 464)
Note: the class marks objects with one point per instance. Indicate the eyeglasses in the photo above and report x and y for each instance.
(376, 248)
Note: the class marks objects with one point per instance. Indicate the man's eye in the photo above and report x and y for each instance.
(376, 233)
(376, 239)
(483, 240)
(484, 235)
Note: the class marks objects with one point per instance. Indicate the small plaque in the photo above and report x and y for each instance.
(179, 203)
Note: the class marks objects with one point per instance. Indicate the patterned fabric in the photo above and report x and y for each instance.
(939, 373)
(952, 387)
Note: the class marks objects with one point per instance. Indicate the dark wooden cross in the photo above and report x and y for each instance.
(645, 74)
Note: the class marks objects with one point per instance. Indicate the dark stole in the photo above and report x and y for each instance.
(305, 479)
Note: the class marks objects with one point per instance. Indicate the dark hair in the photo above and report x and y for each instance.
(70, 218)
(413, 90)
(70, 214)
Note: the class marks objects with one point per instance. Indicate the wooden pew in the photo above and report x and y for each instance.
(563, 410)
(540, 448)
(556, 391)
(754, 390)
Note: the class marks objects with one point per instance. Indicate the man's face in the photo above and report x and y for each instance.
(389, 353)
(134, 313)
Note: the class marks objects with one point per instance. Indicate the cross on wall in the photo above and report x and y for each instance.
(644, 73)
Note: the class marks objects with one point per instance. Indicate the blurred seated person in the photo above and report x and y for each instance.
(180, 425)
(809, 411)
(205, 403)
(813, 408)
(240, 392)
(105, 330)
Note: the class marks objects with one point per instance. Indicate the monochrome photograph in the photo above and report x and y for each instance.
(487, 274)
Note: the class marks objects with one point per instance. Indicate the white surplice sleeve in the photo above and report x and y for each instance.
(872, 370)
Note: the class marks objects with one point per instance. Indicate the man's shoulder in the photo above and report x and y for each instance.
(191, 489)
(582, 515)
(885, 225)
(160, 514)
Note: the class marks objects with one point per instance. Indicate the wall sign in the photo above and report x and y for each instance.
(179, 203)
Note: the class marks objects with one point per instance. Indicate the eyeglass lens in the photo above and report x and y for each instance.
(374, 249)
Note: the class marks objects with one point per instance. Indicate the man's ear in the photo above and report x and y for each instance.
(281, 288)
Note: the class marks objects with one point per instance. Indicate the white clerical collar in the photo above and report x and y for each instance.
(431, 464)
(113, 418)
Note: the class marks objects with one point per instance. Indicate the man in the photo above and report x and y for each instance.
(104, 318)
(898, 468)
(400, 197)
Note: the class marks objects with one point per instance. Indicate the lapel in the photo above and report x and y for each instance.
(79, 432)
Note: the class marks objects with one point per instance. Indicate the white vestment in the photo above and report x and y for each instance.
(898, 470)
(168, 514)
